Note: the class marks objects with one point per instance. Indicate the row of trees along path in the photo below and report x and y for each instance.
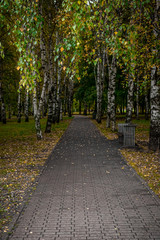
(100, 52)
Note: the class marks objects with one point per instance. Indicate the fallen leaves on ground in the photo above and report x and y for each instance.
(147, 165)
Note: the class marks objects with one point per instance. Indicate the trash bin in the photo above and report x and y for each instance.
(129, 135)
(121, 132)
(126, 133)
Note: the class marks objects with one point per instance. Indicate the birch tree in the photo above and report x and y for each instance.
(154, 139)
(130, 99)
(111, 108)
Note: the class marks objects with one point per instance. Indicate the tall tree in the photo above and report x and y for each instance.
(154, 139)
(111, 105)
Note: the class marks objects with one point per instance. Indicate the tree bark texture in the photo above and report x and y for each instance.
(50, 111)
(154, 138)
(130, 99)
(111, 106)
(50, 88)
(54, 94)
(38, 106)
(36, 115)
(58, 104)
(99, 84)
(44, 60)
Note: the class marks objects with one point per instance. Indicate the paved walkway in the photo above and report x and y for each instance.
(88, 192)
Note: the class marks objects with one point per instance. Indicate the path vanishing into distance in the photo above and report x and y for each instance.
(88, 192)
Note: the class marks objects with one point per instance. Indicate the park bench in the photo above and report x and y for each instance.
(126, 134)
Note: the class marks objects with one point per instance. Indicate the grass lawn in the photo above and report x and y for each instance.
(22, 158)
(145, 162)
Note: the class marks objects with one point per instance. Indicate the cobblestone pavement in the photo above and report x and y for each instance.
(87, 191)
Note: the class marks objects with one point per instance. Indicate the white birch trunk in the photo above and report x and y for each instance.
(111, 106)
(50, 111)
(99, 86)
(154, 138)
(54, 94)
(50, 88)
(36, 116)
(45, 68)
(130, 99)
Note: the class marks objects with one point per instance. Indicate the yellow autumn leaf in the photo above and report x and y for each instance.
(116, 33)
(62, 49)
(18, 68)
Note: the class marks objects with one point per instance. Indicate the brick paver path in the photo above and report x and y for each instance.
(87, 191)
